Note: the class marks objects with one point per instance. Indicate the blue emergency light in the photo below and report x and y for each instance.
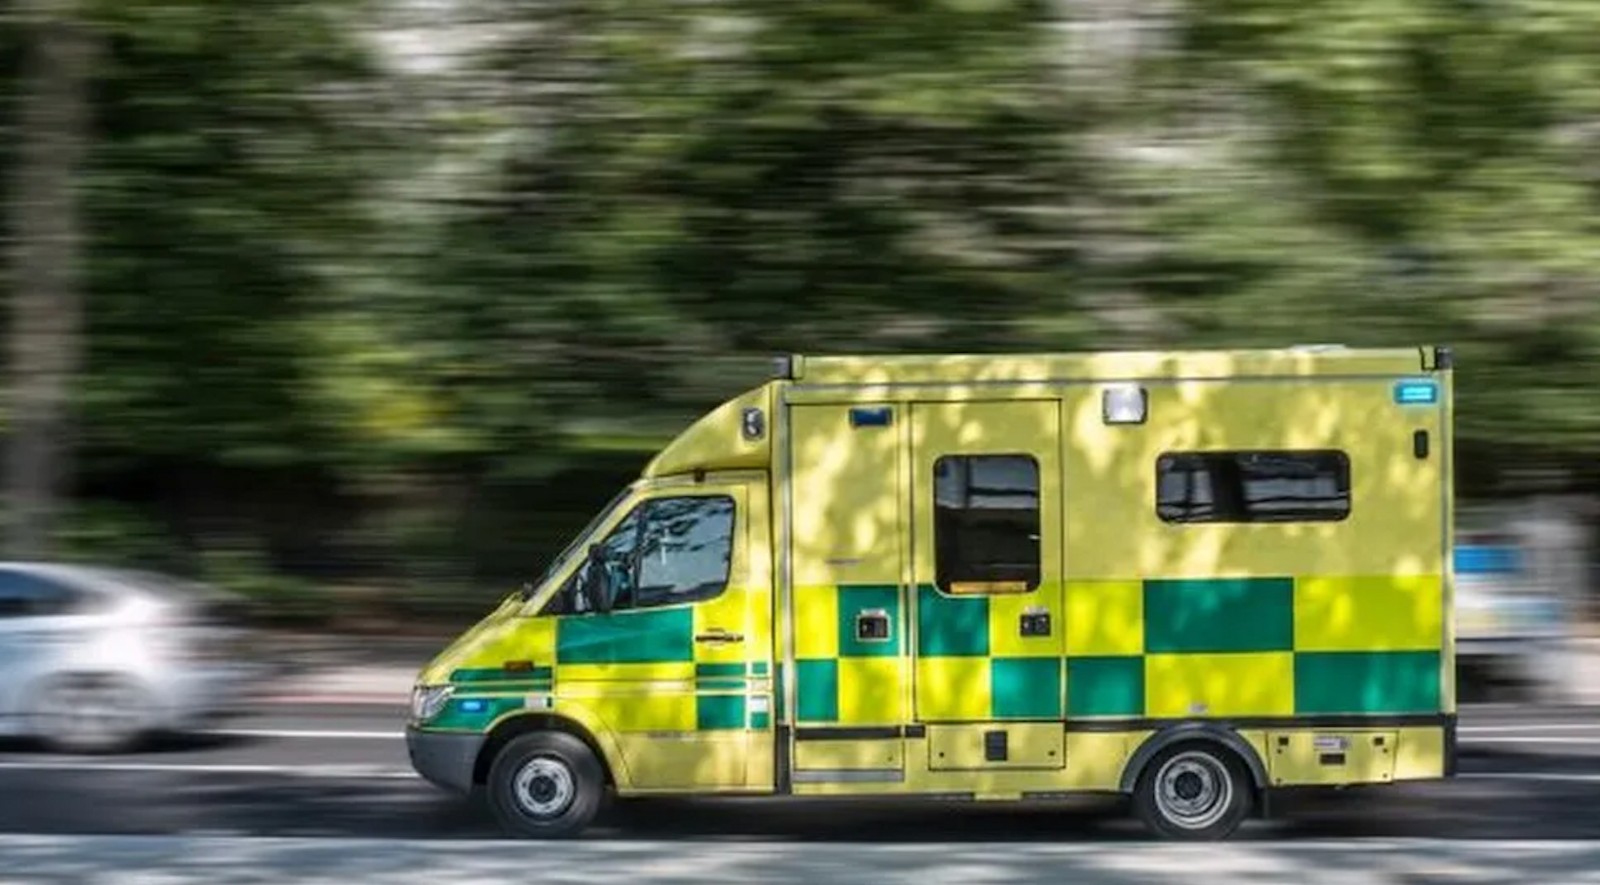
(1416, 393)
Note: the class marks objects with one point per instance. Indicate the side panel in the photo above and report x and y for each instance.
(849, 608)
(1267, 620)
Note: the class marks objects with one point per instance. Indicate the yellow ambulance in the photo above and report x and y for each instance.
(1191, 578)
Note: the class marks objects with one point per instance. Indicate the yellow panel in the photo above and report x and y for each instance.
(641, 711)
(1095, 760)
(816, 615)
(668, 671)
(1105, 618)
(716, 441)
(1005, 618)
(1420, 754)
(727, 612)
(953, 688)
(870, 691)
(760, 761)
(1325, 757)
(849, 755)
(1029, 745)
(846, 524)
(1394, 527)
(1255, 684)
(491, 642)
(702, 761)
(1368, 614)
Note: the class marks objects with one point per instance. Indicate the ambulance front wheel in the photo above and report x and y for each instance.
(545, 785)
(1195, 792)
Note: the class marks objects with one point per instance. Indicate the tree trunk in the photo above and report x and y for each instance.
(47, 262)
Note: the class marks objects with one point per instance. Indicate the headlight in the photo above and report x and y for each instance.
(428, 700)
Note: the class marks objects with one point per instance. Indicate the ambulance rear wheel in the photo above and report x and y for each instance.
(1194, 792)
(545, 785)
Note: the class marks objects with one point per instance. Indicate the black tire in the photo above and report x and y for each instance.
(1195, 792)
(545, 785)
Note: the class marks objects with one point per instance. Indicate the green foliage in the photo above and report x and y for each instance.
(374, 321)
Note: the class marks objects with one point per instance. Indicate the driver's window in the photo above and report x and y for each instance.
(616, 553)
(686, 551)
(666, 551)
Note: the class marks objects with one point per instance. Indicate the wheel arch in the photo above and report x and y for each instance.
(513, 727)
(1194, 732)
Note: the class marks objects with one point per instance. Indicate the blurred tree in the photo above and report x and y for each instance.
(57, 51)
(380, 281)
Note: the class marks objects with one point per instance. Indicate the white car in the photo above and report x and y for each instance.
(96, 659)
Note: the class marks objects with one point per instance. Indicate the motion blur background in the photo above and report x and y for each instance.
(360, 308)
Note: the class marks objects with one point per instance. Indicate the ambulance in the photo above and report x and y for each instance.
(1189, 578)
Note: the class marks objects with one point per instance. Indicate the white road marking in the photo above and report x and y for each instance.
(306, 734)
(1533, 726)
(1534, 739)
(361, 772)
(1546, 776)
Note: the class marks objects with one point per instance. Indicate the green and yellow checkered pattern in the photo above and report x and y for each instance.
(1164, 649)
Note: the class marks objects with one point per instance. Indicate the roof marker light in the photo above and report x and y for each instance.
(1416, 393)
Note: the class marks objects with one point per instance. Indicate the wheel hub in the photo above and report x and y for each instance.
(1194, 790)
(544, 787)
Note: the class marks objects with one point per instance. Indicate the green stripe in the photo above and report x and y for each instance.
(491, 689)
(719, 712)
(453, 716)
(721, 684)
(701, 670)
(855, 599)
(759, 668)
(651, 636)
(817, 690)
(951, 627)
(1219, 615)
(1366, 682)
(1105, 686)
(1025, 688)
(500, 674)
(760, 721)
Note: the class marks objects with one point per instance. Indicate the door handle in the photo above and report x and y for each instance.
(717, 634)
(872, 626)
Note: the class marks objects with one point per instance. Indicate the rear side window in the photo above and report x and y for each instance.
(1253, 486)
(23, 595)
(986, 523)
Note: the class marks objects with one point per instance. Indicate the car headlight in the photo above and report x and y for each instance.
(428, 700)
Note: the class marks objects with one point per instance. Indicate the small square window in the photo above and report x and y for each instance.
(1124, 404)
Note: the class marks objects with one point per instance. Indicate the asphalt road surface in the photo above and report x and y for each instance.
(1527, 774)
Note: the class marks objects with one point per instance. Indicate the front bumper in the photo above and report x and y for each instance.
(444, 759)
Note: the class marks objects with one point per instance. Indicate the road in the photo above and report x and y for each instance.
(1525, 774)
(324, 780)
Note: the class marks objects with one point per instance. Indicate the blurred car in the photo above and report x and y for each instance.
(97, 659)
(1509, 628)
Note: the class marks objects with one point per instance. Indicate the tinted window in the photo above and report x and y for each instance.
(1253, 487)
(25, 595)
(686, 549)
(666, 551)
(986, 522)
